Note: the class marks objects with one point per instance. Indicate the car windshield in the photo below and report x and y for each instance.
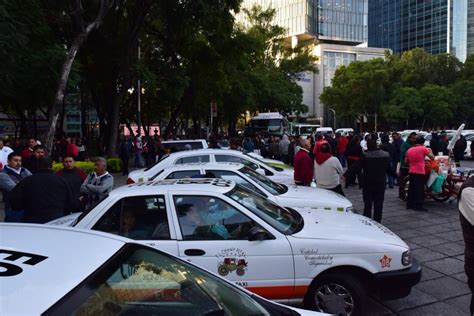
(284, 220)
(269, 185)
(264, 163)
(144, 281)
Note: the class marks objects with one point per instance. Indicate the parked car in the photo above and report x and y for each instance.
(330, 261)
(212, 155)
(75, 272)
(344, 131)
(184, 144)
(281, 194)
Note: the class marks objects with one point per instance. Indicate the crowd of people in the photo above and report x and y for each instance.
(33, 193)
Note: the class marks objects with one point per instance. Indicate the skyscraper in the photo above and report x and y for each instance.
(437, 26)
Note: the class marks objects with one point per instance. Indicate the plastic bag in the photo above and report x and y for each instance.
(437, 185)
(432, 178)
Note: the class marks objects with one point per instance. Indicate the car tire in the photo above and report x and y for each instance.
(337, 293)
(223, 270)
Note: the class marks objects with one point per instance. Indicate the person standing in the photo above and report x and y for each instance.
(137, 150)
(375, 164)
(342, 142)
(43, 196)
(466, 216)
(28, 151)
(4, 152)
(16, 173)
(415, 158)
(353, 154)
(283, 148)
(328, 170)
(74, 176)
(443, 144)
(387, 147)
(434, 143)
(124, 154)
(397, 146)
(459, 149)
(97, 184)
(248, 145)
(403, 165)
(32, 162)
(71, 148)
(303, 164)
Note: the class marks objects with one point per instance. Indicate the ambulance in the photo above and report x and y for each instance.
(326, 260)
(47, 270)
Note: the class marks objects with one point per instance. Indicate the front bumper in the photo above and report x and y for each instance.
(396, 284)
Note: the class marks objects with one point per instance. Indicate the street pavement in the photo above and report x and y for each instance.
(436, 240)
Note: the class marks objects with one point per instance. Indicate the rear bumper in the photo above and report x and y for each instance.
(396, 284)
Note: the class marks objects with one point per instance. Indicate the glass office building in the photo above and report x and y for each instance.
(335, 21)
(437, 26)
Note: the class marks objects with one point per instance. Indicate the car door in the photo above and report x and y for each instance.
(144, 218)
(214, 233)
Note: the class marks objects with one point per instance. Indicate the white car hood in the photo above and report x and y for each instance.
(302, 196)
(67, 220)
(345, 226)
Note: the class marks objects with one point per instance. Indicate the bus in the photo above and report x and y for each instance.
(267, 124)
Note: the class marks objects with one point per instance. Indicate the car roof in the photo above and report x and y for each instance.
(71, 256)
(207, 151)
(162, 186)
(208, 165)
(184, 141)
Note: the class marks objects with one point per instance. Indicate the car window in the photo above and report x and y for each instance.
(272, 187)
(144, 281)
(192, 159)
(137, 217)
(184, 174)
(228, 158)
(210, 218)
(230, 175)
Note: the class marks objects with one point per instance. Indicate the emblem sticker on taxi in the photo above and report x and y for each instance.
(233, 259)
(385, 261)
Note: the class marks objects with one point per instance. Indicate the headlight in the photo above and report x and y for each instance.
(406, 258)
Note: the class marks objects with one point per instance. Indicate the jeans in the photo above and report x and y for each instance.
(13, 216)
(342, 160)
(401, 188)
(138, 160)
(373, 195)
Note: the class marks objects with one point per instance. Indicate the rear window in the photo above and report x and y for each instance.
(192, 159)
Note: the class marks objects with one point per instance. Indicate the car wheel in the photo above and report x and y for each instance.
(340, 294)
(223, 270)
(240, 271)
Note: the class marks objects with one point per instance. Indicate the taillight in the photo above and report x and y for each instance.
(130, 181)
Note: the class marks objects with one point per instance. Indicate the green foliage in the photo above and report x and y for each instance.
(114, 164)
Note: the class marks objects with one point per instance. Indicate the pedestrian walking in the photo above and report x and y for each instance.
(466, 216)
(74, 176)
(415, 158)
(403, 172)
(15, 173)
(43, 196)
(374, 164)
(328, 170)
(97, 184)
(303, 164)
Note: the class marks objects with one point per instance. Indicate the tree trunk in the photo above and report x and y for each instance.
(53, 110)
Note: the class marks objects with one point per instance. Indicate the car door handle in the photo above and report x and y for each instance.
(194, 252)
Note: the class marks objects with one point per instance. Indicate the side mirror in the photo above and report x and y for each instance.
(261, 171)
(257, 233)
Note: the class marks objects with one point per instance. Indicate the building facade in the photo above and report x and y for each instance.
(437, 26)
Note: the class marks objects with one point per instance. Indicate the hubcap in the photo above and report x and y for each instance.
(335, 299)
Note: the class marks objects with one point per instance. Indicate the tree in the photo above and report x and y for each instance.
(437, 104)
(403, 105)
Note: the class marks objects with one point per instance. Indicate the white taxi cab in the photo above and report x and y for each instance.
(277, 174)
(330, 261)
(48, 270)
(281, 194)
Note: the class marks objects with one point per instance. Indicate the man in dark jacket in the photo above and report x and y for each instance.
(73, 176)
(459, 149)
(443, 144)
(388, 148)
(32, 163)
(466, 214)
(434, 143)
(43, 196)
(375, 164)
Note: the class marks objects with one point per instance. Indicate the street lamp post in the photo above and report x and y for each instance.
(139, 101)
(334, 112)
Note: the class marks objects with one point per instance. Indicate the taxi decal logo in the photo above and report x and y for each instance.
(232, 259)
(314, 258)
(385, 261)
(18, 257)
